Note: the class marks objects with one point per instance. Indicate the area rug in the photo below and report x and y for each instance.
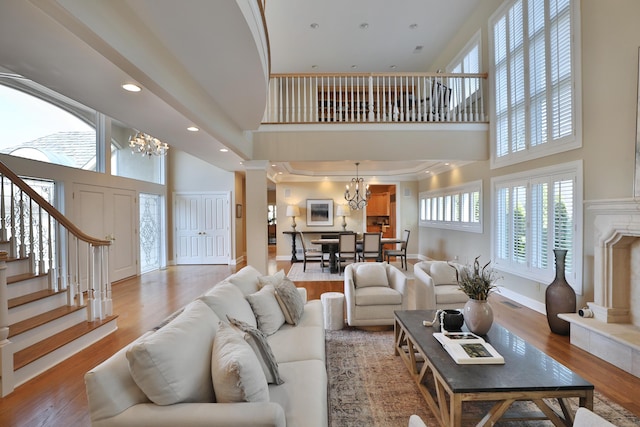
(314, 273)
(369, 386)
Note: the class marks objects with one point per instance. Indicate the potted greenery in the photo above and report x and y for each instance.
(478, 283)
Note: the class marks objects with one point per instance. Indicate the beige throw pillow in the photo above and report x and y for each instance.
(173, 365)
(227, 299)
(271, 280)
(370, 274)
(442, 273)
(266, 309)
(290, 301)
(235, 369)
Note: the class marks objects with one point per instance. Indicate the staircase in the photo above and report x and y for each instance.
(55, 295)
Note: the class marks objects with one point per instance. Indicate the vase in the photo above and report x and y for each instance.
(452, 320)
(478, 316)
(559, 297)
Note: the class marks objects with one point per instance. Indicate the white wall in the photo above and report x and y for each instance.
(609, 60)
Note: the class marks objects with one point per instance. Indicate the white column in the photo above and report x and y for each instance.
(256, 214)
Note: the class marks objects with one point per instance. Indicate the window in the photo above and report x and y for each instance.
(534, 214)
(467, 61)
(455, 208)
(535, 108)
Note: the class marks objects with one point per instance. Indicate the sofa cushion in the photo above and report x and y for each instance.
(173, 365)
(267, 310)
(378, 295)
(442, 273)
(271, 280)
(370, 274)
(450, 294)
(294, 343)
(235, 369)
(246, 279)
(290, 301)
(257, 340)
(226, 299)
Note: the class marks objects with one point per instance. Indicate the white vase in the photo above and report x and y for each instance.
(478, 316)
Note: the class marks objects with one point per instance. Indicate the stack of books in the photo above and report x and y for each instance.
(466, 348)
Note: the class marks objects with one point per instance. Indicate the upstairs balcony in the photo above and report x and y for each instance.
(391, 116)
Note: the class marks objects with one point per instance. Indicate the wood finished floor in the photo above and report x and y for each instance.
(57, 397)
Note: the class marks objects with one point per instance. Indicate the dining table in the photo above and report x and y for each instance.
(332, 245)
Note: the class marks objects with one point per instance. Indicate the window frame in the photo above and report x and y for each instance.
(529, 178)
(550, 146)
(475, 42)
(446, 206)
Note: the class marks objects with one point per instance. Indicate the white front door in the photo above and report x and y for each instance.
(110, 214)
(202, 228)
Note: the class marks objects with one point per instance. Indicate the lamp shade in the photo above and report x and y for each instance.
(343, 210)
(293, 210)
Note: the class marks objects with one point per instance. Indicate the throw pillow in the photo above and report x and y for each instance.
(173, 365)
(442, 273)
(370, 274)
(290, 301)
(227, 299)
(266, 309)
(257, 340)
(235, 369)
(246, 279)
(271, 280)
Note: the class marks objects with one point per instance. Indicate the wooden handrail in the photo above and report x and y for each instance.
(62, 220)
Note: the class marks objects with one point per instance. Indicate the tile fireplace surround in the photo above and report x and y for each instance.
(613, 334)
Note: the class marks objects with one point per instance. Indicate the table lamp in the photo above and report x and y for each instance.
(343, 211)
(293, 211)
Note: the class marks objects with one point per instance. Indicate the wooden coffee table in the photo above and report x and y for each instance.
(528, 374)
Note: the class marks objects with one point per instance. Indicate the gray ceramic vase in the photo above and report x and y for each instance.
(478, 316)
(559, 297)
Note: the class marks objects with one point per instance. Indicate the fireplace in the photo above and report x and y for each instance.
(613, 333)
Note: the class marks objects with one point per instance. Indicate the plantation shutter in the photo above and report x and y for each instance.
(563, 220)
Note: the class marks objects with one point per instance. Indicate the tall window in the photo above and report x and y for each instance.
(534, 214)
(467, 61)
(533, 52)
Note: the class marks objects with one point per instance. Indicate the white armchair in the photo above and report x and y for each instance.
(436, 287)
(373, 291)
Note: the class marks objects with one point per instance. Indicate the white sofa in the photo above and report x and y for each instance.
(436, 287)
(174, 364)
(373, 291)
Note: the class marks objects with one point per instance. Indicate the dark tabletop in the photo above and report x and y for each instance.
(525, 369)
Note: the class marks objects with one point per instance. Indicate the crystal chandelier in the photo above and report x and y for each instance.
(147, 145)
(357, 194)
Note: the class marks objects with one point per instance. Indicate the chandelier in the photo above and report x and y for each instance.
(357, 194)
(147, 145)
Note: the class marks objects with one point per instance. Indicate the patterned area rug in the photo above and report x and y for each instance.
(314, 273)
(369, 386)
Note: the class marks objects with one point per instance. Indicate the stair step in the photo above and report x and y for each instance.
(41, 319)
(54, 342)
(24, 276)
(35, 296)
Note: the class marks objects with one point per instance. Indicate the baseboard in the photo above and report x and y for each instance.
(526, 301)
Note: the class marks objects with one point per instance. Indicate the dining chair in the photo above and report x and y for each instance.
(311, 255)
(370, 247)
(401, 253)
(346, 249)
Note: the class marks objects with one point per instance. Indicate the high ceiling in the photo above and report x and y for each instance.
(202, 62)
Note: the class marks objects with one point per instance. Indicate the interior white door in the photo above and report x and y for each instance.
(109, 213)
(202, 232)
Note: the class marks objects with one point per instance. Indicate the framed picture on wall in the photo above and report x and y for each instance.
(319, 212)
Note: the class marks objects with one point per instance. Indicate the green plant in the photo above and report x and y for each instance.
(475, 281)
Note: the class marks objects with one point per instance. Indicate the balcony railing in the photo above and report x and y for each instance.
(375, 98)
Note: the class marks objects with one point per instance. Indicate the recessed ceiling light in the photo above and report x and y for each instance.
(354, 67)
(130, 87)
(273, 165)
(279, 173)
(393, 67)
(314, 26)
(427, 171)
(418, 49)
(413, 26)
(314, 67)
(224, 150)
(364, 26)
(447, 164)
(193, 129)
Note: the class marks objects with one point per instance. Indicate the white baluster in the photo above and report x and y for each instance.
(370, 102)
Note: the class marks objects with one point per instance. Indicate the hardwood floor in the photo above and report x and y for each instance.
(57, 397)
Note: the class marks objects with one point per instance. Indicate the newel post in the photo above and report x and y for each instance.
(6, 353)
